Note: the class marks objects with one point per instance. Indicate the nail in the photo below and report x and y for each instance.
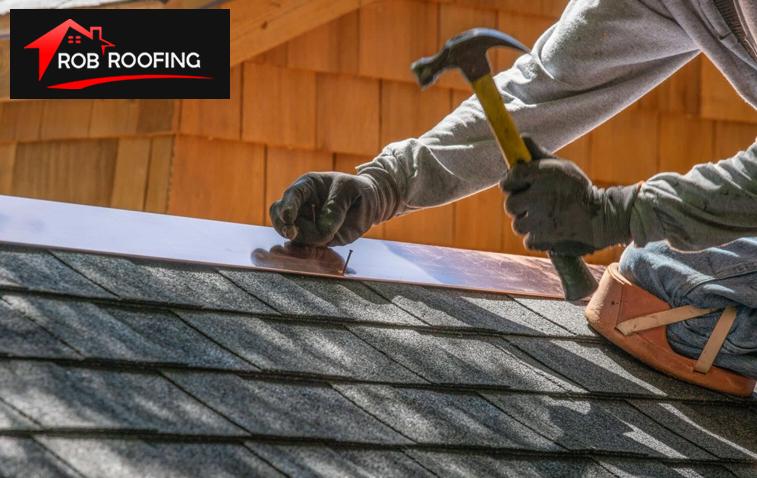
(347, 262)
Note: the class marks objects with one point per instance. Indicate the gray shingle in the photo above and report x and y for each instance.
(636, 468)
(299, 348)
(702, 471)
(606, 368)
(57, 397)
(25, 458)
(458, 308)
(286, 409)
(319, 461)
(455, 465)
(742, 471)
(21, 337)
(122, 334)
(444, 418)
(611, 426)
(10, 419)
(39, 271)
(727, 432)
(137, 459)
(311, 296)
(446, 359)
(565, 314)
(181, 284)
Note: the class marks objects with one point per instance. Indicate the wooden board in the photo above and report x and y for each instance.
(66, 119)
(525, 28)
(159, 175)
(7, 162)
(278, 106)
(347, 114)
(158, 116)
(479, 221)
(454, 19)
(283, 166)
(215, 118)
(228, 188)
(130, 177)
(408, 112)
(21, 120)
(685, 141)
(429, 226)
(331, 48)
(719, 100)
(114, 118)
(395, 33)
(78, 171)
(679, 93)
(730, 138)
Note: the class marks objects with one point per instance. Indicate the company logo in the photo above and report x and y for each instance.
(141, 58)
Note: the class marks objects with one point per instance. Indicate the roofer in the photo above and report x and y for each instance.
(598, 59)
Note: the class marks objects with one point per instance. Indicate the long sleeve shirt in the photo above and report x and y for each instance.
(599, 58)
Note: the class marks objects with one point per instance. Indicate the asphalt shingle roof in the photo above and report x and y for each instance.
(117, 367)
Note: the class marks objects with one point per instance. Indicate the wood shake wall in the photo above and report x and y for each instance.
(330, 100)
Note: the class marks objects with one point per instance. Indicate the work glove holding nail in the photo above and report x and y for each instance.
(332, 209)
(557, 208)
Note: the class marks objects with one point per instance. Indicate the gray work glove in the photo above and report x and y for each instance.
(333, 209)
(558, 209)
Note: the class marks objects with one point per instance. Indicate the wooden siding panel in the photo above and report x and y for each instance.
(215, 118)
(684, 142)
(7, 161)
(284, 166)
(159, 175)
(230, 187)
(393, 34)
(130, 178)
(348, 114)
(624, 150)
(408, 112)
(730, 138)
(114, 118)
(69, 171)
(21, 120)
(429, 226)
(479, 221)
(158, 116)
(331, 48)
(720, 100)
(66, 119)
(525, 28)
(278, 106)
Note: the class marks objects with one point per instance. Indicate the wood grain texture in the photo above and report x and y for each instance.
(678, 94)
(525, 28)
(5, 67)
(395, 33)
(408, 112)
(479, 221)
(719, 100)
(685, 141)
(259, 25)
(159, 174)
(330, 48)
(624, 150)
(7, 162)
(114, 118)
(21, 120)
(454, 19)
(429, 226)
(579, 151)
(278, 106)
(130, 177)
(230, 187)
(78, 171)
(66, 119)
(730, 138)
(158, 116)
(347, 114)
(283, 166)
(215, 118)
(346, 163)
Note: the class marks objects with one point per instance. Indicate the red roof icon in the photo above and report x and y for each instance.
(49, 42)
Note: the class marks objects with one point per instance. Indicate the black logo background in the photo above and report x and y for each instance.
(203, 31)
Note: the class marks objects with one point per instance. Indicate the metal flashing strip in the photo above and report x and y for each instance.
(54, 225)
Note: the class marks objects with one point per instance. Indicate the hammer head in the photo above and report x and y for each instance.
(466, 51)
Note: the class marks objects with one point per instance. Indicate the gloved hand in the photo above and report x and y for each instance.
(331, 209)
(558, 209)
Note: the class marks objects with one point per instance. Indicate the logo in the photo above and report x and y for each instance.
(147, 54)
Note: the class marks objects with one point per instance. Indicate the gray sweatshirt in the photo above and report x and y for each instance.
(599, 58)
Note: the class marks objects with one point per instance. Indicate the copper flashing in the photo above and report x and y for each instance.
(57, 225)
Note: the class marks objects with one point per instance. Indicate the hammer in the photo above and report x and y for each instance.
(467, 52)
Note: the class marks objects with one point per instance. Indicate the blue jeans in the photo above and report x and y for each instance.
(717, 277)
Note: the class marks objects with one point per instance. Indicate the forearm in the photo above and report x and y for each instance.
(713, 204)
(580, 73)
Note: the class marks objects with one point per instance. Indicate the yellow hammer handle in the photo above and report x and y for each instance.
(510, 143)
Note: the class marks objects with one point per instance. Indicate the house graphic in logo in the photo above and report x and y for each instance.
(48, 43)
